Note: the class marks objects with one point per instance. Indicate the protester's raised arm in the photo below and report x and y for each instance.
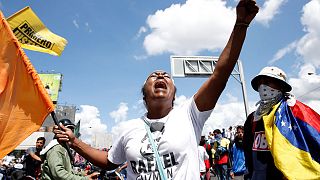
(95, 156)
(208, 94)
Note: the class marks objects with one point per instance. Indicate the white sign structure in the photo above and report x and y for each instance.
(203, 66)
(186, 66)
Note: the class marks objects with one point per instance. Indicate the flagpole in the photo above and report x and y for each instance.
(66, 145)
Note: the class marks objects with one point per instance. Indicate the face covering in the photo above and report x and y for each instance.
(269, 97)
(218, 137)
(268, 93)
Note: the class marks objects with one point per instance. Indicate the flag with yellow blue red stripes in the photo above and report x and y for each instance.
(293, 135)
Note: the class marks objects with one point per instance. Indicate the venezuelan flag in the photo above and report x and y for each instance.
(293, 135)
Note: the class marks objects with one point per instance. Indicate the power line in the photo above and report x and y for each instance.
(309, 92)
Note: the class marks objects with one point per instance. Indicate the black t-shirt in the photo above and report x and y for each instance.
(259, 159)
(33, 166)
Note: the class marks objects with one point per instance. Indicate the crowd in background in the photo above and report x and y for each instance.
(218, 147)
(19, 164)
(224, 150)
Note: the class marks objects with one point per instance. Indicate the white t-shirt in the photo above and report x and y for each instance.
(177, 146)
(203, 155)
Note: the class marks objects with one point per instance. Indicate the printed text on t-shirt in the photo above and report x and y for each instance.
(260, 142)
(147, 167)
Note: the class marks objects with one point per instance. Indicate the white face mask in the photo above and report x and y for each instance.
(267, 92)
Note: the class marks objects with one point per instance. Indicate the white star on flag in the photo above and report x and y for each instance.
(283, 123)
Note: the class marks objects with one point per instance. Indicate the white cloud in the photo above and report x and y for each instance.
(269, 9)
(180, 100)
(282, 52)
(121, 113)
(306, 83)
(139, 107)
(306, 86)
(231, 98)
(141, 31)
(224, 115)
(86, 24)
(75, 23)
(310, 17)
(308, 45)
(190, 28)
(142, 57)
(91, 127)
(88, 27)
(117, 129)
(120, 116)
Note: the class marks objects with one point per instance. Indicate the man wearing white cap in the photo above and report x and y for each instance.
(281, 138)
(271, 83)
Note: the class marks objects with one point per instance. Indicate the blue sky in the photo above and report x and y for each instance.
(114, 45)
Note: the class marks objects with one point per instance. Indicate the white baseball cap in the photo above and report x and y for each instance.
(273, 72)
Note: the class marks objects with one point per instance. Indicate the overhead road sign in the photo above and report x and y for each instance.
(203, 66)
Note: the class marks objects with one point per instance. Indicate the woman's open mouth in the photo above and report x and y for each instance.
(160, 85)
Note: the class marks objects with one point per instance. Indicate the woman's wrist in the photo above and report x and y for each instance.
(74, 143)
(242, 24)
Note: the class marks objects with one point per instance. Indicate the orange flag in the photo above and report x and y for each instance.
(24, 102)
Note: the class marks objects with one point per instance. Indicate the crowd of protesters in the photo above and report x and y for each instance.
(225, 154)
(217, 149)
(20, 165)
(222, 154)
(166, 142)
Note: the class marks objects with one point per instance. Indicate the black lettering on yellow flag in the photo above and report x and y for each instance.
(33, 34)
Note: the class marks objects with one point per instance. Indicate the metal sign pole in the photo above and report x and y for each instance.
(243, 86)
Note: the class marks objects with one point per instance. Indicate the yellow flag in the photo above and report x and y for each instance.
(33, 34)
(24, 102)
